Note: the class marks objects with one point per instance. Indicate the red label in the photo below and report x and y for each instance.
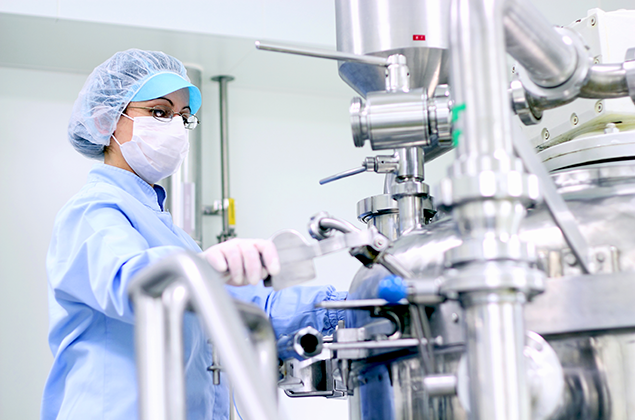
(418, 37)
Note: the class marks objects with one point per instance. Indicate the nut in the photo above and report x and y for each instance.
(545, 134)
(593, 21)
(599, 107)
(574, 119)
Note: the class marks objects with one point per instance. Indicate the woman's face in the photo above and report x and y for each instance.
(178, 101)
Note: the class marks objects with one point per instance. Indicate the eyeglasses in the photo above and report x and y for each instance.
(165, 114)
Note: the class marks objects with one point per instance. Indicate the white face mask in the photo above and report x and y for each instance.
(157, 149)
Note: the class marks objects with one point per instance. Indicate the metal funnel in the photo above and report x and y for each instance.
(415, 28)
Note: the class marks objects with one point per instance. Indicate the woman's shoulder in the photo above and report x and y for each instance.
(97, 197)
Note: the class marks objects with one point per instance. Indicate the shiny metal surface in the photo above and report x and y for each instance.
(228, 231)
(262, 338)
(304, 344)
(221, 322)
(416, 30)
(320, 53)
(528, 114)
(629, 68)
(378, 204)
(605, 81)
(548, 58)
(496, 365)
(175, 301)
(382, 212)
(410, 163)
(556, 205)
(391, 120)
(567, 91)
(152, 371)
(440, 385)
(571, 304)
(487, 192)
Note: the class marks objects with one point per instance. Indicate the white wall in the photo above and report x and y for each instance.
(39, 173)
(296, 21)
(288, 128)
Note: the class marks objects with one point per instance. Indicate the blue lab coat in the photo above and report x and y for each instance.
(102, 237)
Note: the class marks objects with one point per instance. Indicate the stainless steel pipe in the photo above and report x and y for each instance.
(534, 42)
(496, 365)
(478, 72)
(220, 320)
(175, 300)
(222, 80)
(605, 81)
(151, 357)
(487, 211)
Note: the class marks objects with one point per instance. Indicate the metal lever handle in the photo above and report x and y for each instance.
(379, 164)
(320, 53)
(344, 174)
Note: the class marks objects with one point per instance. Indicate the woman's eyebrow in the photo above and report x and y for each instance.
(162, 97)
(172, 103)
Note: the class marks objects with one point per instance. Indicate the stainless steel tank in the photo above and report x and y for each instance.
(587, 320)
(418, 30)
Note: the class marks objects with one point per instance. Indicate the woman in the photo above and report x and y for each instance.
(134, 112)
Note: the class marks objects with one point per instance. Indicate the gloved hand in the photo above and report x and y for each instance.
(247, 260)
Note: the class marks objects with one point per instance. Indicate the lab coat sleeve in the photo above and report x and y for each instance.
(294, 308)
(94, 253)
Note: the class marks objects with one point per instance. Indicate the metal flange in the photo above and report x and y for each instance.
(493, 275)
(410, 188)
(520, 104)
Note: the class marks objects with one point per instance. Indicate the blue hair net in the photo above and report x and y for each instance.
(107, 92)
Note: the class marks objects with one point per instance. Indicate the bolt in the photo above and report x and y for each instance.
(593, 21)
(596, 60)
(574, 119)
(455, 317)
(611, 128)
(545, 134)
(600, 257)
(599, 107)
(379, 243)
(513, 69)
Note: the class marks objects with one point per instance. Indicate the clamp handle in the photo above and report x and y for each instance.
(382, 164)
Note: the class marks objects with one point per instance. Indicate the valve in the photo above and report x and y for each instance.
(382, 164)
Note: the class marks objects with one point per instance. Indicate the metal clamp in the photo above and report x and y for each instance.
(521, 106)
(570, 89)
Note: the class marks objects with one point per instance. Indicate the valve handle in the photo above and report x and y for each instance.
(320, 53)
(344, 174)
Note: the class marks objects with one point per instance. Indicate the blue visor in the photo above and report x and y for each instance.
(162, 84)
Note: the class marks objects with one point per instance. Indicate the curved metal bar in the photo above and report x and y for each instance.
(533, 41)
(329, 223)
(320, 53)
(220, 320)
(605, 81)
(263, 339)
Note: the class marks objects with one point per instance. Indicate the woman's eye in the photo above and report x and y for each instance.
(160, 113)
